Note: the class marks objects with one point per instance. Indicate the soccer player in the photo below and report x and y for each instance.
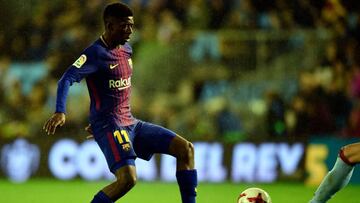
(106, 64)
(340, 174)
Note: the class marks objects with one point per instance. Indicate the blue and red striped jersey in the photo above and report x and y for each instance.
(108, 77)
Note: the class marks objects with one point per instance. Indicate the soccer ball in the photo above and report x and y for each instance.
(254, 195)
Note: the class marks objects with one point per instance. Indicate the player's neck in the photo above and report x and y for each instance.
(108, 42)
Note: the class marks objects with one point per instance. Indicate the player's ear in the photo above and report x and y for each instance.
(109, 26)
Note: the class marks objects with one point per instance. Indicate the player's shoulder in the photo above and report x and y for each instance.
(93, 50)
(127, 47)
(89, 55)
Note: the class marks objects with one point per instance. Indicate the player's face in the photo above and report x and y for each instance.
(123, 28)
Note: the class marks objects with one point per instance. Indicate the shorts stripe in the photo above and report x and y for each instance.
(113, 147)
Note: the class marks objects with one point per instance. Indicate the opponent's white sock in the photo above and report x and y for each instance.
(336, 179)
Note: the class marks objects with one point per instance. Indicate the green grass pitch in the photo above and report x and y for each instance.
(78, 191)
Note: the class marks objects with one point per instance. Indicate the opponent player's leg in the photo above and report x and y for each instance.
(340, 174)
(186, 175)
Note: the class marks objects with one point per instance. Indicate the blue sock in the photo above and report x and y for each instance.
(187, 180)
(101, 197)
(336, 179)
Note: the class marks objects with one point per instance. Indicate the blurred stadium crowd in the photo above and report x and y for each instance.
(38, 41)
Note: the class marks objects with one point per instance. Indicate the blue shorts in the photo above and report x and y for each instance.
(122, 144)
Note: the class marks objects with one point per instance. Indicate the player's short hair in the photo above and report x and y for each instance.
(117, 10)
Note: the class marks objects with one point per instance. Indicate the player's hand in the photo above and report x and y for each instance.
(89, 130)
(57, 119)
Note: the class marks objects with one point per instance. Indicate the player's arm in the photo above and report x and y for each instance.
(75, 73)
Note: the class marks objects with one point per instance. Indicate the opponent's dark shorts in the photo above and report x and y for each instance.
(122, 144)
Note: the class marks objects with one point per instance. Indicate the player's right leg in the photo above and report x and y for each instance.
(115, 143)
(340, 174)
(125, 180)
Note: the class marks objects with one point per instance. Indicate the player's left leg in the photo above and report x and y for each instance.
(340, 174)
(186, 175)
(151, 138)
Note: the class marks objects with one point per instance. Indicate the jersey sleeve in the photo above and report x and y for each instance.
(83, 66)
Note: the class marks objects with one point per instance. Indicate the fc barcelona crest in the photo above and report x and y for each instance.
(126, 147)
(130, 63)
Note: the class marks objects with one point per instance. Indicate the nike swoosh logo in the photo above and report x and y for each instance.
(113, 66)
